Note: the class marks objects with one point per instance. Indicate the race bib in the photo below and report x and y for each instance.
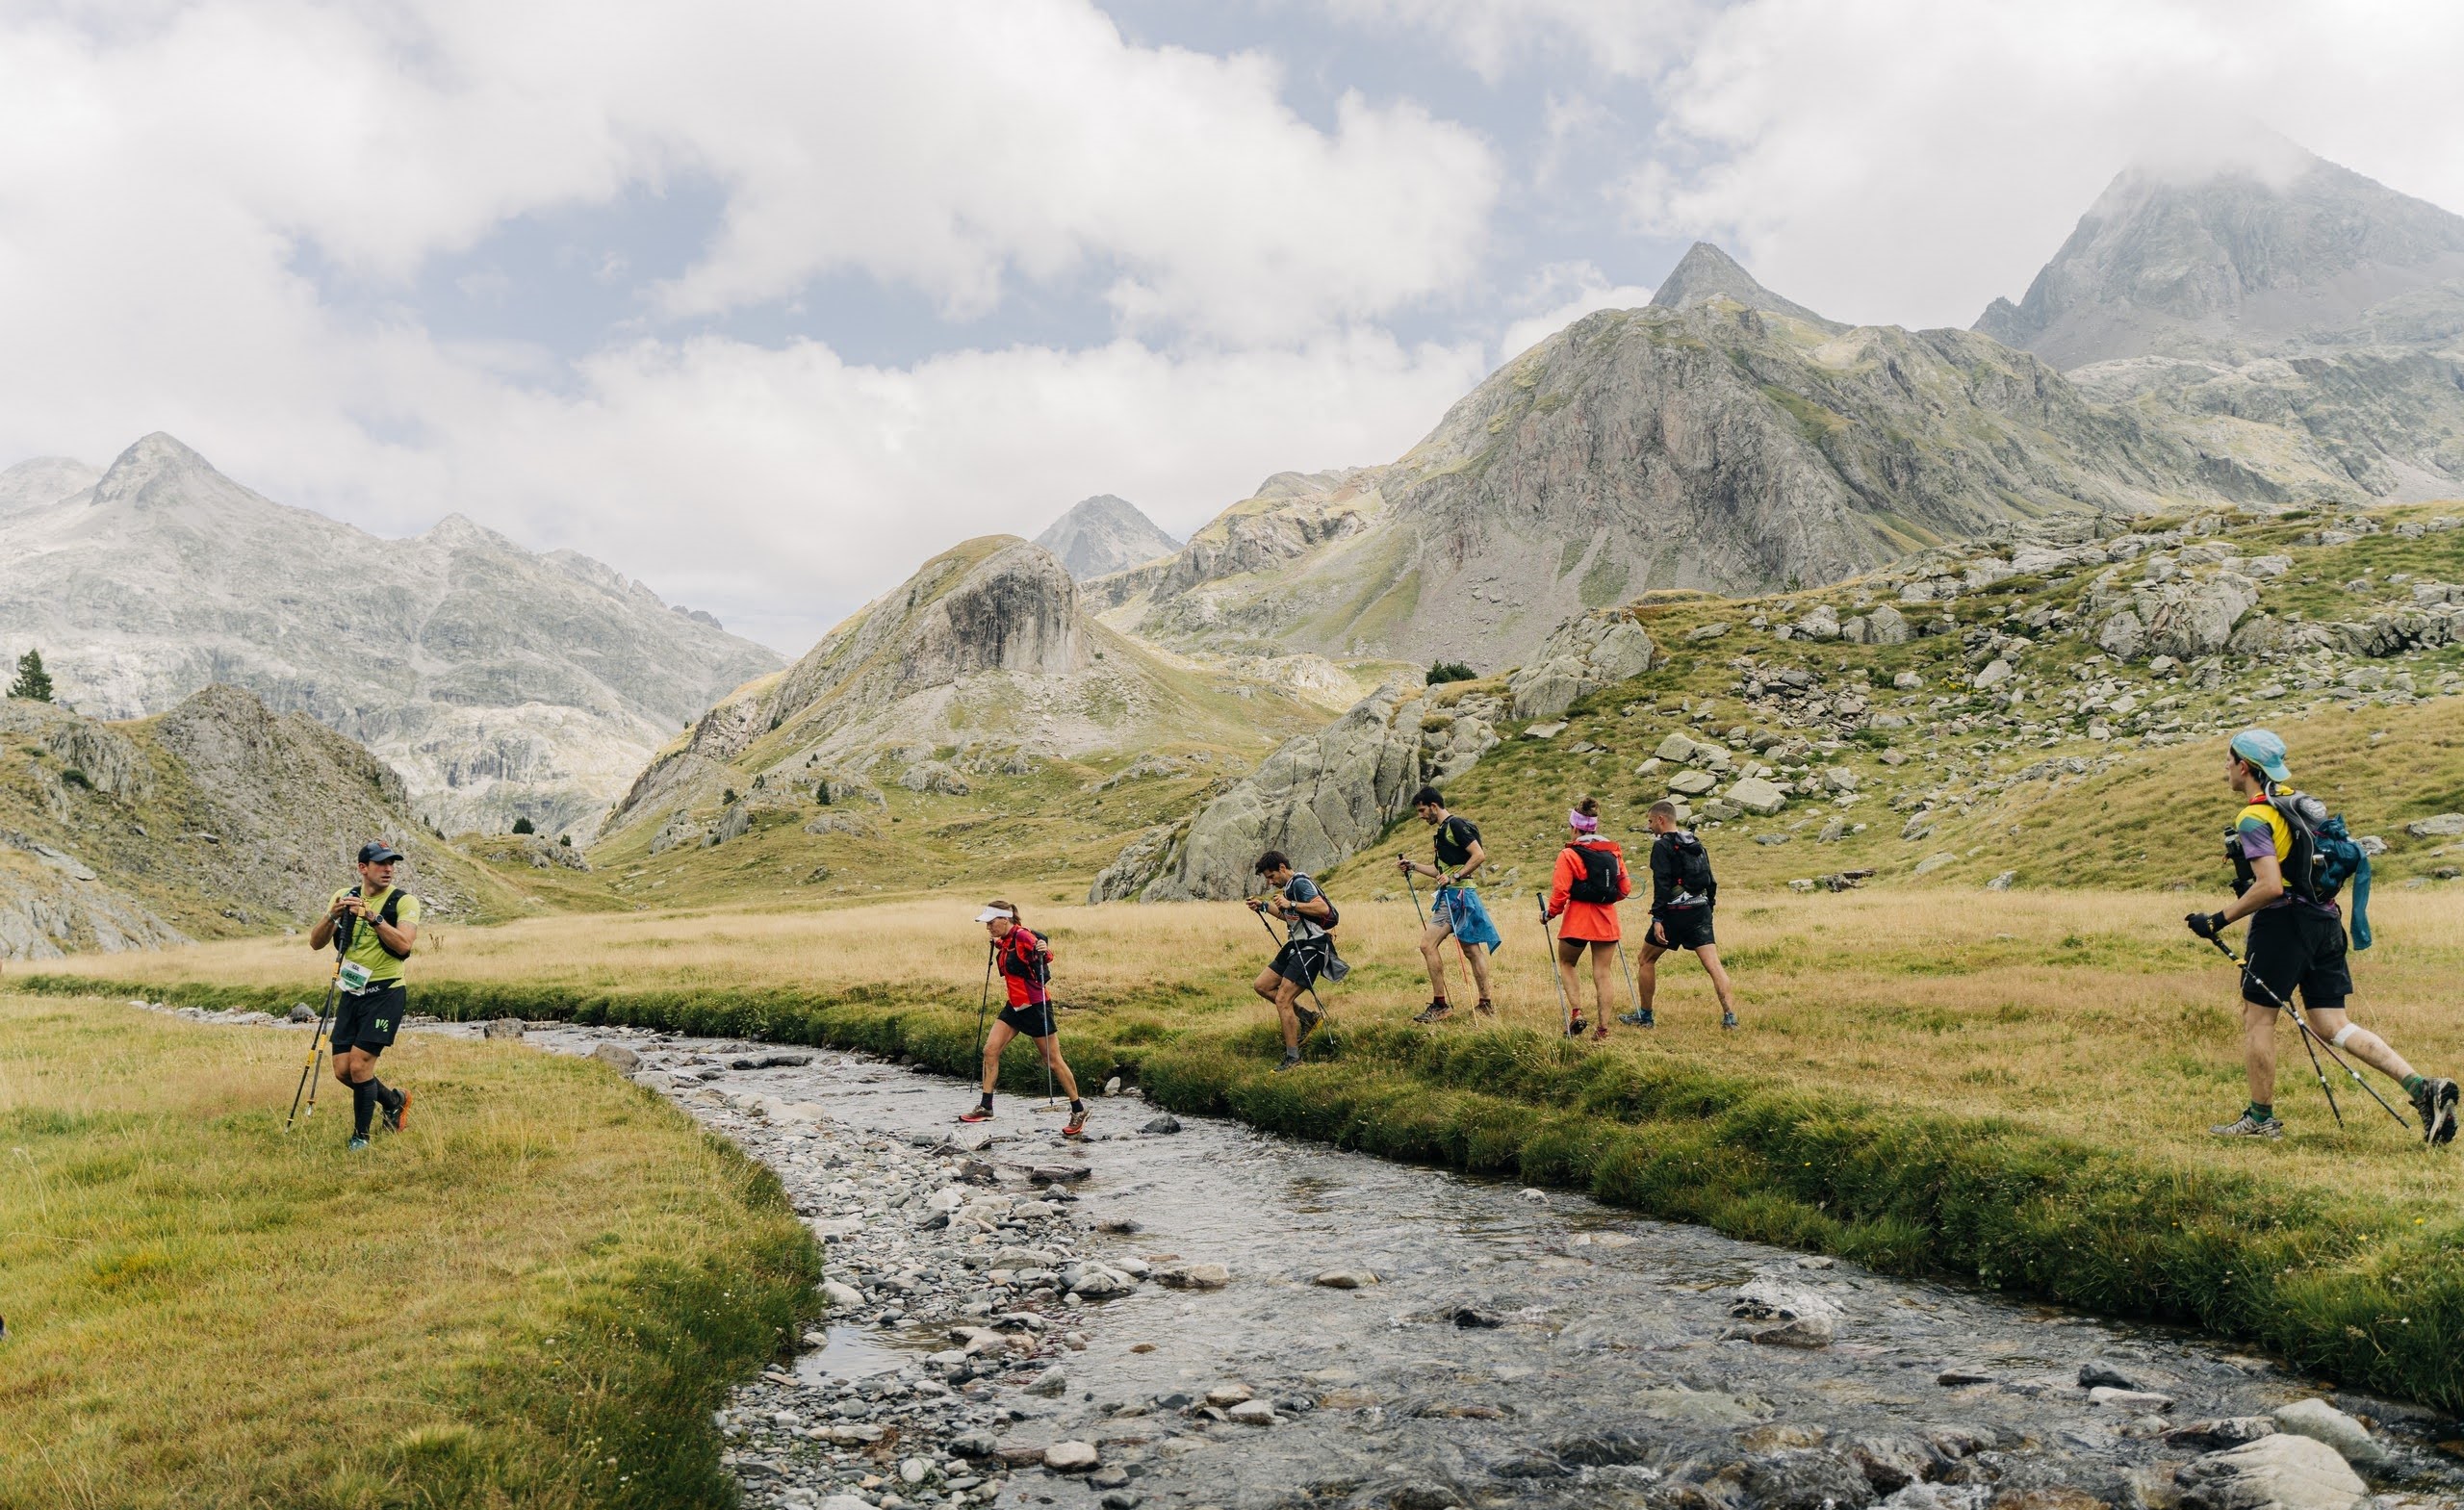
(354, 976)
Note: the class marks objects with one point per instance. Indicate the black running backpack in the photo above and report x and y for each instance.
(1601, 873)
(1693, 866)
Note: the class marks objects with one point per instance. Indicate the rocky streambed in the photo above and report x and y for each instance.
(1182, 1313)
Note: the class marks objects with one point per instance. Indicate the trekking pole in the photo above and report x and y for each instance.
(2309, 1037)
(1285, 942)
(315, 1049)
(984, 1001)
(1565, 1012)
(1462, 960)
(1631, 995)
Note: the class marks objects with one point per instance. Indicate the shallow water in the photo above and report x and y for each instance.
(1604, 1366)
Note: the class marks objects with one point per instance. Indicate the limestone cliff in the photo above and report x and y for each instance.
(1320, 798)
(501, 683)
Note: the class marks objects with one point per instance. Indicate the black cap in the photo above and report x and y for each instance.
(376, 852)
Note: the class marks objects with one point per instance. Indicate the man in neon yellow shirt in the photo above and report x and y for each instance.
(378, 925)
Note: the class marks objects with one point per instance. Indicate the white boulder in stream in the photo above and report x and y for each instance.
(2284, 1472)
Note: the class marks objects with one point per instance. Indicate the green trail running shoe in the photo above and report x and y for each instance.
(2435, 1101)
(1309, 1020)
(2248, 1126)
(1434, 1012)
(1645, 1018)
(356, 1143)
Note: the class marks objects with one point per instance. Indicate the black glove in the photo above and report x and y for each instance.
(2206, 925)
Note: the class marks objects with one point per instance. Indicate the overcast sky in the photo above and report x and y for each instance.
(763, 301)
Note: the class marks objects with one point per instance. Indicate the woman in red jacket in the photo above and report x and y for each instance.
(1589, 882)
(1025, 963)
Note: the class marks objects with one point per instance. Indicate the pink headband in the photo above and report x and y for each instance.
(1582, 823)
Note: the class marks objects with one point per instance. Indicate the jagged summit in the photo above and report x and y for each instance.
(2243, 259)
(1706, 272)
(1104, 534)
(501, 683)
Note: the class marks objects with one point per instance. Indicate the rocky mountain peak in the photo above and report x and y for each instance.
(531, 688)
(1104, 534)
(44, 480)
(2242, 258)
(1706, 273)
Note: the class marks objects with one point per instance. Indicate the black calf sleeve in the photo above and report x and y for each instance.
(363, 1106)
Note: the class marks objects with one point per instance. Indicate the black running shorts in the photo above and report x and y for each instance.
(1034, 1019)
(1686, 927)
(2300, 946)
(1303, 959)
(368, 1019)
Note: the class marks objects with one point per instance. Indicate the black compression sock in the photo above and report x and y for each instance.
(363, 1106)
(1076, 1104)
(386, 1096)
(987, 1101)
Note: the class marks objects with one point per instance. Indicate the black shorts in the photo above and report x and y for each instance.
(1686, 927)
(2300, 946)
(1303, 959)
(368, 1019)
(1034, 1019)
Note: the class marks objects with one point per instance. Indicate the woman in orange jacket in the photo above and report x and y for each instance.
(1589, 882)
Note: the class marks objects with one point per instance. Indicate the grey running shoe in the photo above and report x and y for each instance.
(1291, 1061)
(2435, 1101)
(1728, 1019)
(1644, 1019)
(1434, 1012)
(1309, 1020)
(356, 1143)
(2248, 1126)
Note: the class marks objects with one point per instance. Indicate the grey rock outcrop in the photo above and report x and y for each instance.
(2283, 1472)
(1105, 534)
(502, 682)
(218, 813)
(1319, 798)
(2184, 618)
(1595, 651)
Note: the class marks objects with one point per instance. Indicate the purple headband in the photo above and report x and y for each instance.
(1582, 823)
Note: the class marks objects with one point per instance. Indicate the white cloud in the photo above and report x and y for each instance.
(1633, 38)
(1910, 160)
(174, 164)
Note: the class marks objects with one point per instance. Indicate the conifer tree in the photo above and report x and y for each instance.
(33, 683)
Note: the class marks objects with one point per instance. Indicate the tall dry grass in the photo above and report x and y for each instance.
(2095, 1014)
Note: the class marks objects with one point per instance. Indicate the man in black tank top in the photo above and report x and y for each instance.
(1457, 909)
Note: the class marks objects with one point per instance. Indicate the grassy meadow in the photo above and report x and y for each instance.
(533, 1295)
(2050, 1010)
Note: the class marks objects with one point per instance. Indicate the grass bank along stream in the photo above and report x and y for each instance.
(2005, 1090)
(534, 1295)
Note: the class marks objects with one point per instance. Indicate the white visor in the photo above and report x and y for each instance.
(990, 914)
